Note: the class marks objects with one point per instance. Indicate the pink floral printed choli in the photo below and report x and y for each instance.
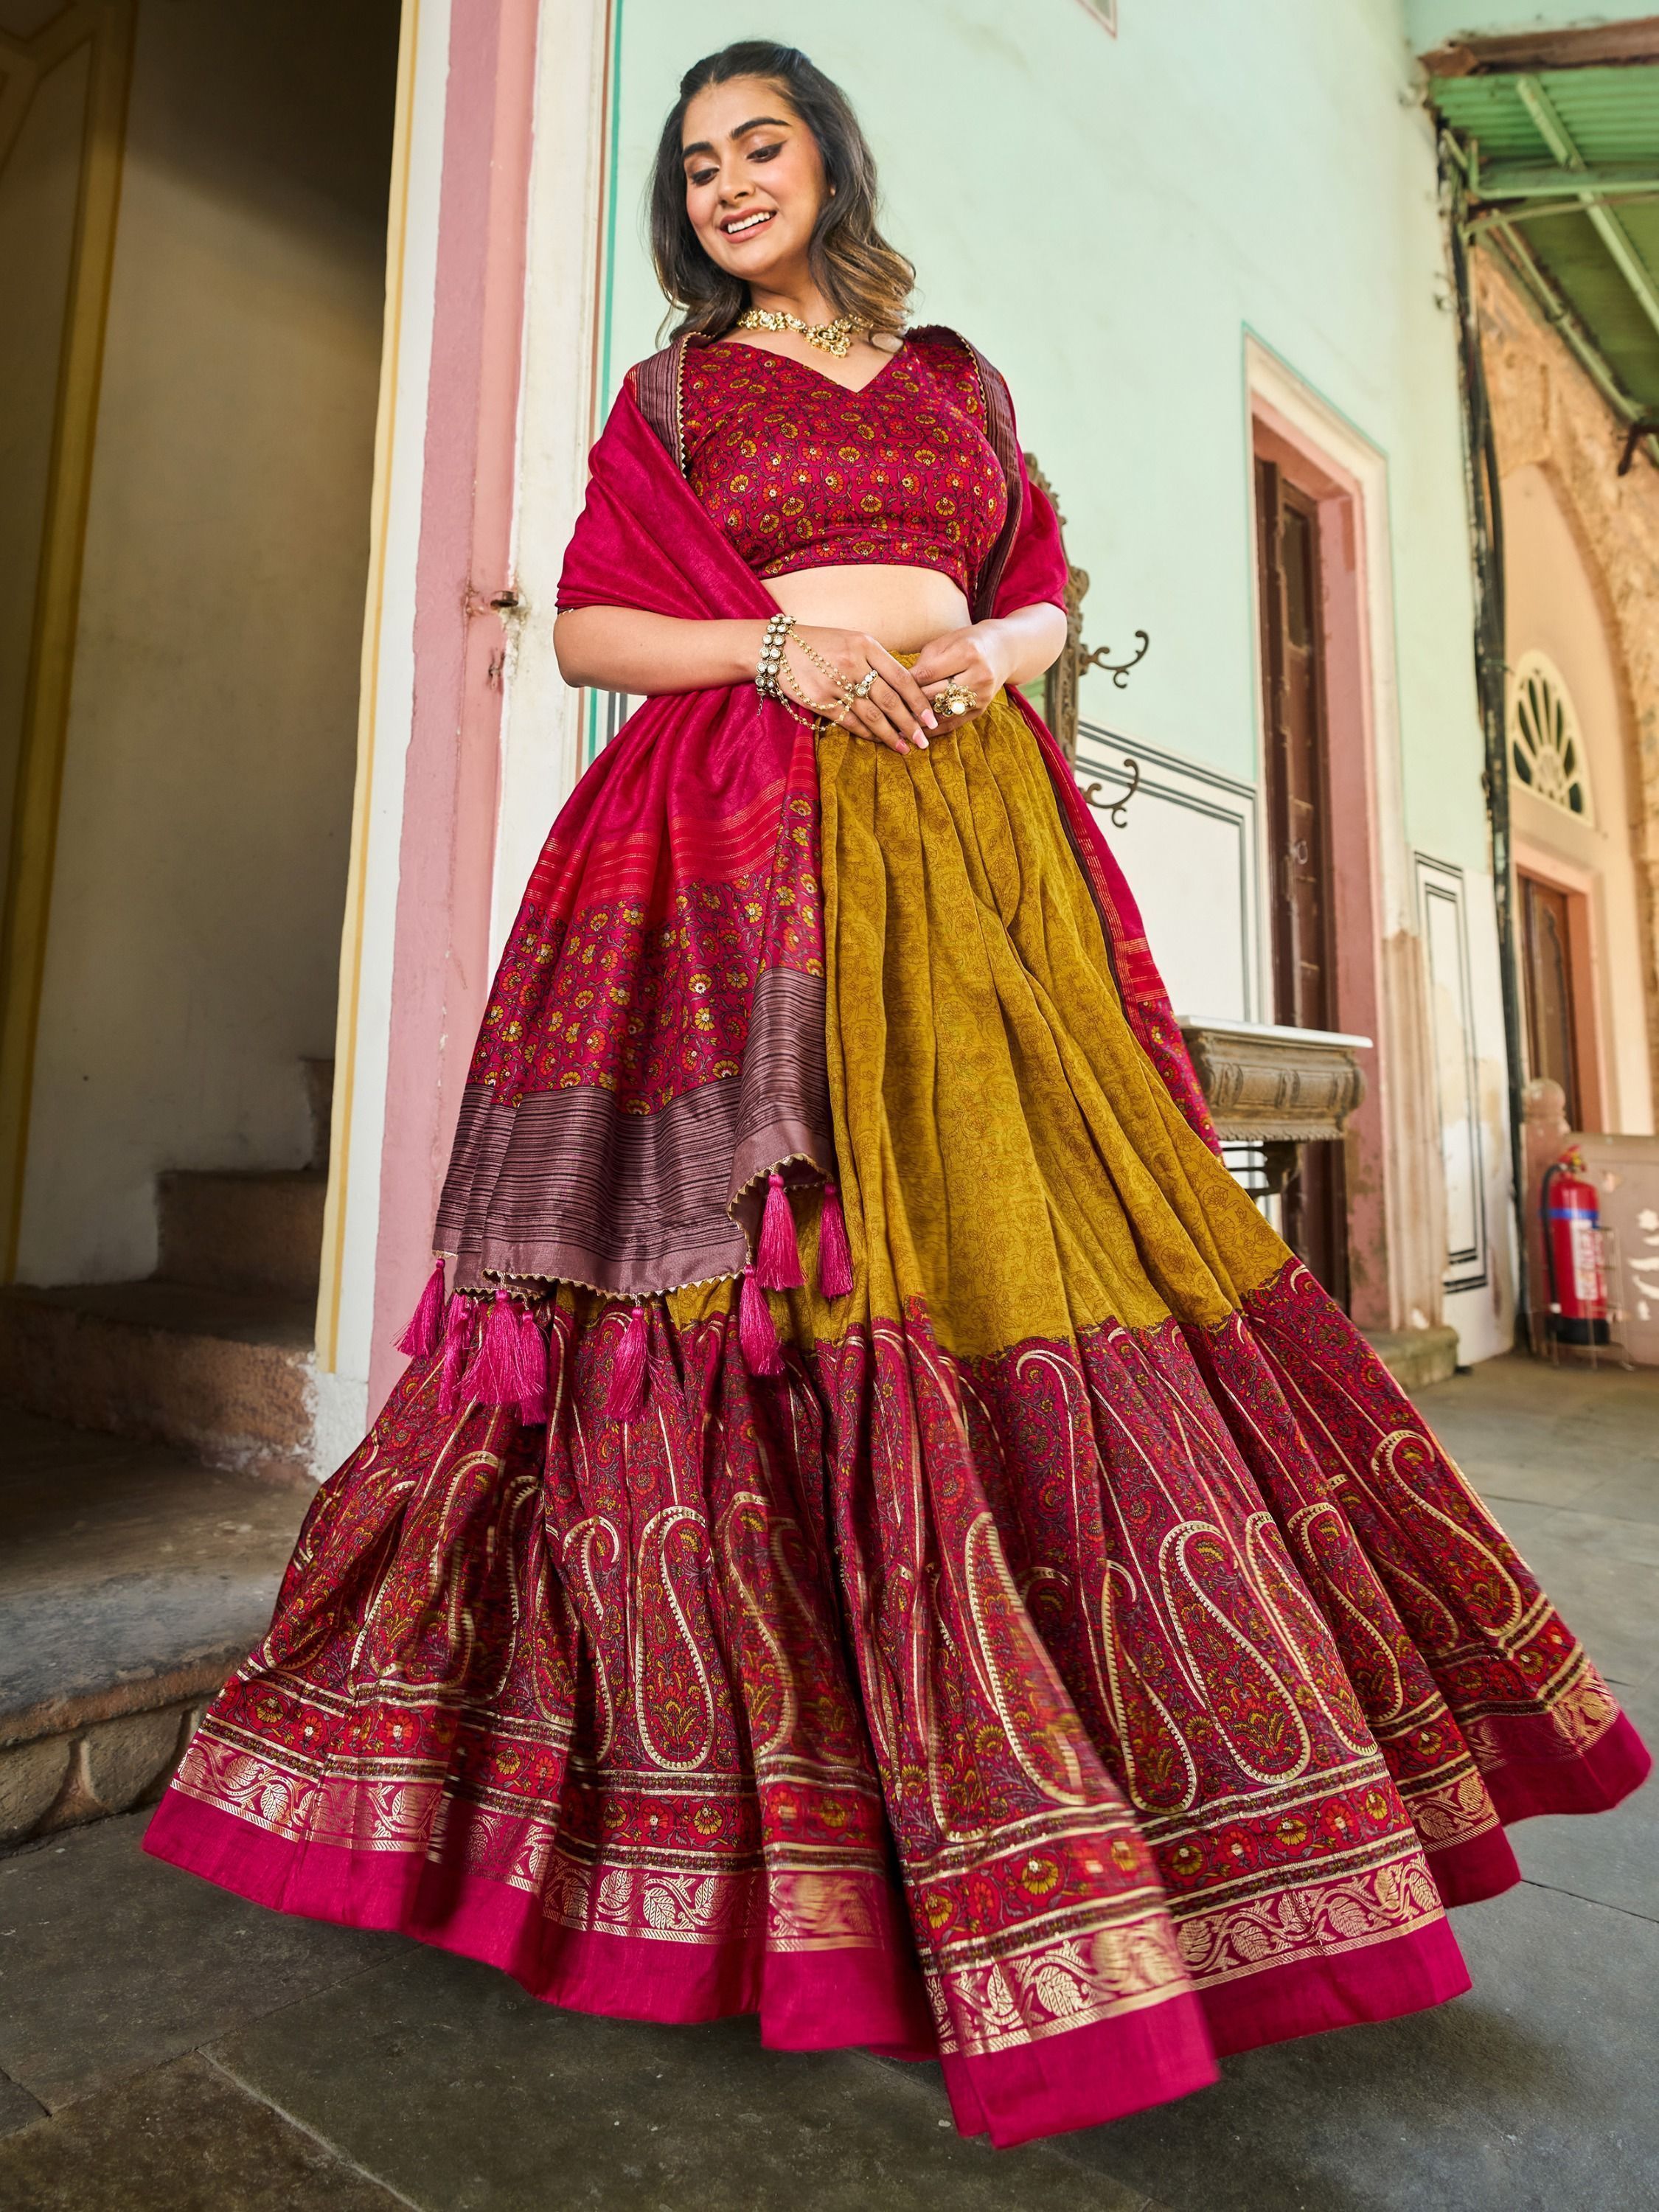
(800, 472)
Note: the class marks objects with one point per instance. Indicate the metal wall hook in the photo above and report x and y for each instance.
(1116, 813)
(1117, 670)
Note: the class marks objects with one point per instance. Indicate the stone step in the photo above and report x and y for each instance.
(1415, 1357)
(132, 1582)
(223, 1373)
(222, 1230)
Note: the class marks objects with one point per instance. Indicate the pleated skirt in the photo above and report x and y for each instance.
(1079, 1663)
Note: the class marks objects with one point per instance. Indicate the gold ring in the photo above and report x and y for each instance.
(955, 699)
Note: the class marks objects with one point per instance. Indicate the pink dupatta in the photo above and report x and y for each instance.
(653, 1045)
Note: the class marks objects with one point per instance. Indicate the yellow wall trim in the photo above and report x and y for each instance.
(351, 944)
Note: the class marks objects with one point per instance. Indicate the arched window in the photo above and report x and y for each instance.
(1545, 751)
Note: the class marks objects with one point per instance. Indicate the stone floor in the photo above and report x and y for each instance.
(161, 2043)
(133, 1579)
(157, 1553)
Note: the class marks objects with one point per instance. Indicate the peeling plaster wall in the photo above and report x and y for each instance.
(1554, 607)
(1433, 22)
(1549, 418)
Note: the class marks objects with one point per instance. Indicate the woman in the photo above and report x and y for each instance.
(877, 1530)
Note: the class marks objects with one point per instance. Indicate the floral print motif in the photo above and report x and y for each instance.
(799, 472)
(649, 1001)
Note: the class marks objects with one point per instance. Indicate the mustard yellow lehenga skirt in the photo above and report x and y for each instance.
(1080, 1662)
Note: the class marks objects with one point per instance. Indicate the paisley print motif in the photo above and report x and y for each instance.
(1287, 1600)
(1015, 1673)
(1159, 1772)
(768, 1677)
(675, 1713)
(1450, 1533)
(1254, 1706)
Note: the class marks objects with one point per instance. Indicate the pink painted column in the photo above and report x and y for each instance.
(440, 975)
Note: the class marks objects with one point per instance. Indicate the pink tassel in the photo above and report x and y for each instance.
(458, 1338)
(835, 1255)
(756, 1333)
(630, 1367)
(490, 1379)
(777, 1257)
(420, 1339)
(531, 1370)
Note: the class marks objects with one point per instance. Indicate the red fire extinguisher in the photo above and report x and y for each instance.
(1573, 1251)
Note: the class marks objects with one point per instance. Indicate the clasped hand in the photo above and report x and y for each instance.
(898, 710)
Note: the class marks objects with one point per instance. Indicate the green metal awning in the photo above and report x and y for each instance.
(1562, 170)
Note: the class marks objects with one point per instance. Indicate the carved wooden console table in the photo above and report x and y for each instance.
(1276, 1088)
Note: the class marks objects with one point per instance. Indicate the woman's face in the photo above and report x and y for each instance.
(754, 180)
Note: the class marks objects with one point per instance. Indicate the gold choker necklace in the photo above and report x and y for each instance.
(834, 337)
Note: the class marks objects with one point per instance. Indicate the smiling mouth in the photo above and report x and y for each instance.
(741, 225)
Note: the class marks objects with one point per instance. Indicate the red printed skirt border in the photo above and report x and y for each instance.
(978, 1707)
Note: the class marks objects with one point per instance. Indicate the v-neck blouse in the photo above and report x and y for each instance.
(800, 472)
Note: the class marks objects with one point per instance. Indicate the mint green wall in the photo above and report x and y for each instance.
(1107, 217)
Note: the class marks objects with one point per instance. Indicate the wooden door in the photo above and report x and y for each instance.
(1546, 950)
(1299, 838)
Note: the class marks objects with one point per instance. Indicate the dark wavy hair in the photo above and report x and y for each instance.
(865, 277)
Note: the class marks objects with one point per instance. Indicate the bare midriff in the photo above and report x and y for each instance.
(902, 608)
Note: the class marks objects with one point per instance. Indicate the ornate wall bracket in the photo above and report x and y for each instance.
(1117, 670)
(1115, 809)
